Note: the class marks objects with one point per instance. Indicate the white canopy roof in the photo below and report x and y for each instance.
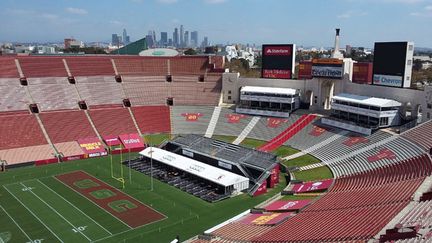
(366, 100)
(268, 90)
(208, 172)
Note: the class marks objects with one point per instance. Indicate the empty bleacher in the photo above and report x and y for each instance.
(69, 148)
(152, 119)
(194, 93)
(239, 232)
(190, 119)
(21, 155)
(421, 135)
(8, 68)
(281, 138)
(112, 121)
(269, 127)
(53, 93)
(189, 65)
(145, 92)
(65, 126)
(142, 66)
(20, 130)
(225, 127)
(90, 66)
(13, 96)
(99, 90)
(38, 67)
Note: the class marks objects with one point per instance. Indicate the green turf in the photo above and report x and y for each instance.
(62, 211)
(252, 143)
(283, 151)
(306, 159)
(315, 174)
(156, 139)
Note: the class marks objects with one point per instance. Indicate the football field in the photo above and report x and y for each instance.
(79, 202)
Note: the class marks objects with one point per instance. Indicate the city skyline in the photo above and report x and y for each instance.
(274, 21)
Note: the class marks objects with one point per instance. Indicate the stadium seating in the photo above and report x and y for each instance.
(142, 66)
(69, 148)
(240, 232)
(99, 90)
(21, 155)
(230, 123)
(152, 119)
(188, 65)
(90, 66)
(190, 119)
(20, 130)
(53, 93)
(297, 126)
(112, 121)
(269, 127)
(142, 92)
(8, 68)
(40, 67)
(421, 135)
(66, 126)
(13, 96)
(193, 93)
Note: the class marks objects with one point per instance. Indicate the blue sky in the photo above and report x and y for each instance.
(306, 22)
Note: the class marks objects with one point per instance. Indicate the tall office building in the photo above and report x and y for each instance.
(181, 36)
(205, 42)
(125, 37)
(164, 39)
(115, 40)
(176, 38)
(186, 39)
(194, 38)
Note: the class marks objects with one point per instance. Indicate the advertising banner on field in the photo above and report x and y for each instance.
(131, 141)
(111, 140)
(93, 147)
(312, 186)
(266, 219)
(287, 205)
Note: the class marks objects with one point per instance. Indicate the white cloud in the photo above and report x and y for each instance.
(344, 16)
(428, 8)
(115, 22)
(79, 11)
(215, 1)
(167, 1)
(350, 14)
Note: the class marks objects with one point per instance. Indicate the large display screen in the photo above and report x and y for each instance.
(389, 63)
(278, 61)
(327, 68)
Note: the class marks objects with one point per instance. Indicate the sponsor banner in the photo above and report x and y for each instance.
(187, 153)
(387, 80)
(224, 165)
(327, 71)
(234, 118)
(285, 50)
(191, 117)
(262, 189)
(287, 205)
(312, 186)
(74, 157)
(92, 146)
(46, 161)
(122, 151)
(382, 154)
(131, 141)
(266, 219)
(275, 122)
(276, 73)
(318, 131)
(274, 176)
(111, 140)
(355, 140)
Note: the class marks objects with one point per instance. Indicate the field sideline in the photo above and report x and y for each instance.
(36, 207)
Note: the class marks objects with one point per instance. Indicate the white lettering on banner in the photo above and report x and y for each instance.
(129, 141)
(387, 80)
(278, 51)
(327, 71)
(289, 205)
(187, 153)
(196, 168)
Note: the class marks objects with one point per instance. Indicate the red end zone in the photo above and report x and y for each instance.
(129, 210)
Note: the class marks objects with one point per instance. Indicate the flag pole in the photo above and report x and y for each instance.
(151, 166)
(130, 174)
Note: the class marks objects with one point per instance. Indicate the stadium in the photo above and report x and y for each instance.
(120, 148)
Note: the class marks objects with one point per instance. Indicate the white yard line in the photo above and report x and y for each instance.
(34, 215)
(55, 211)
(92, 202)
(74, 206)
(28, 237)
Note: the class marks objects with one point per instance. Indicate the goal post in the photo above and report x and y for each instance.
(117, 176)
